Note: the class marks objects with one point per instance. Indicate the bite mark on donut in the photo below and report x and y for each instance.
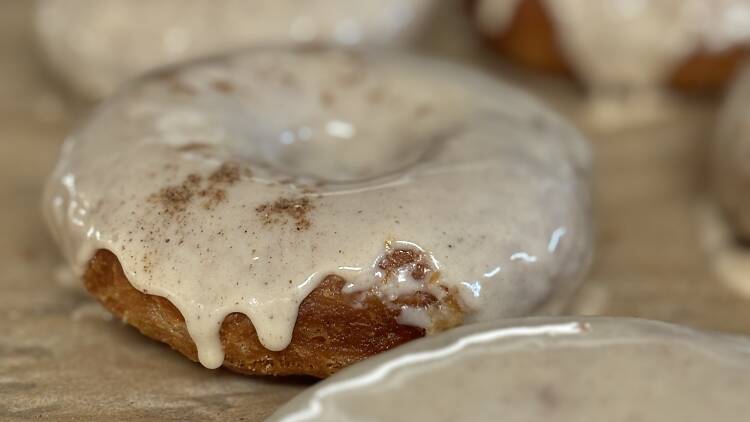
(423, 293)
(282, 210)
(400, 258)
(411, 261)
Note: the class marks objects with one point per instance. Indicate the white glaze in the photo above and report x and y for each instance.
(390, 150)
(563, 370)
(632, 44)
(98, 44)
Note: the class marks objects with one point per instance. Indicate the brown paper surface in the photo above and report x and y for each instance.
(63, 358)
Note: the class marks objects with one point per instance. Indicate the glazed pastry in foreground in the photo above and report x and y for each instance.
(563, 370)
(304, 209)
(622, 45)
(731, 157)
(98, 44)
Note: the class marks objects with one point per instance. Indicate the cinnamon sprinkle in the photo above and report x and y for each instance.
(175, 199)
(282, 210)
(228, 173)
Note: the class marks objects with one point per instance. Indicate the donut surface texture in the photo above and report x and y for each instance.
(621, 44)
(343, 202)
(98, 44)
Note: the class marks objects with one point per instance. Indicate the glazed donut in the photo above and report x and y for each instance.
(731, 157)
(618, 45)
(563, 370)
(294, 211)
(97, 44)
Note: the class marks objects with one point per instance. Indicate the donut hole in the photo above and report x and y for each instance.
(335, 117)
(358, 141)
(341, 150)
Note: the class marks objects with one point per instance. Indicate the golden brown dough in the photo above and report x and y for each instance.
(530, 40)
(333, 329)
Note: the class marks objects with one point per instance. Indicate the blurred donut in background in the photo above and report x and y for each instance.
(731, 158)
(97, 44)
(622, 45)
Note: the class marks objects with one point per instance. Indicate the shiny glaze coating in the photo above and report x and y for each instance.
(238, 184)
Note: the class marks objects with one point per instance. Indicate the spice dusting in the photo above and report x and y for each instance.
(282, 210)
(176, 198)
(228, 173)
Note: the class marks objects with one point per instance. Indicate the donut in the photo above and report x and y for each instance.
(731, 157)
(292, 211)
(95, 45)
(537, 369)
(611, 46)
